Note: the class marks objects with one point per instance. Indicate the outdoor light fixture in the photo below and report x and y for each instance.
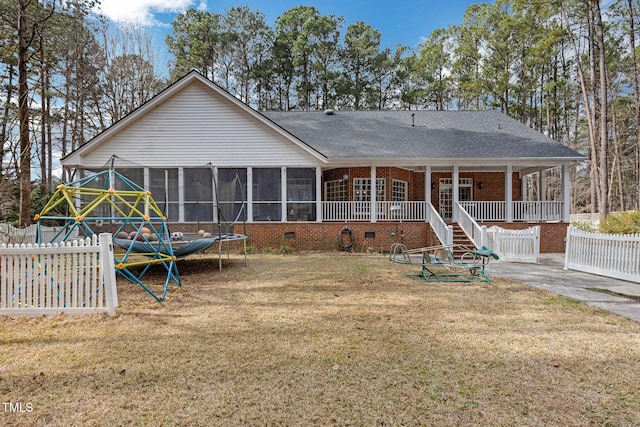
(345, 177)
(480, 185)
(433, 185)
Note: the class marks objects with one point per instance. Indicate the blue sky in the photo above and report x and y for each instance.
(405, 22)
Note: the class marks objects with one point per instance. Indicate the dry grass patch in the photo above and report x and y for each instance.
(322, 339)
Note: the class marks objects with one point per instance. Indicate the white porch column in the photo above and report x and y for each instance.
(283, 194)
(214, 179)
(523, 187)
(566, 193)
(542, 189)
(146, 179)
(249, 194)
(456, 193)
(318, 194)
(427, 191)
(508, 192)
(374, 195)
(181, 194)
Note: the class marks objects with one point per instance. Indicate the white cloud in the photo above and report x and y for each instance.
(142, 12)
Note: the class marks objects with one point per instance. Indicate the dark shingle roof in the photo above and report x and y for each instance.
(435, 134)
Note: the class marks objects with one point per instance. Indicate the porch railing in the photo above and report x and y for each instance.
(400, 211)
(537, 211)
(346, 211)
(485, 211)
(522, 211)
(493, 211)
(385, 211)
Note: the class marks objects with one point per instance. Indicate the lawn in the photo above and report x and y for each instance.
(323, 339)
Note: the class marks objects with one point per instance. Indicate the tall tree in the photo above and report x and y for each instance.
(434, 65)
(467, 58)
(195, 43)
(361, 51)
(29, 19)
(292, 55)
(246, 36)
(129, 73)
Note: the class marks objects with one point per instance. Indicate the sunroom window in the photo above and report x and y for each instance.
(266, 194)
(301, 194)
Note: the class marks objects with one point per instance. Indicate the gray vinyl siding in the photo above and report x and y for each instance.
(197, 126)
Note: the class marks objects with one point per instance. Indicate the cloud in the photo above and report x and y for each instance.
(142, 12)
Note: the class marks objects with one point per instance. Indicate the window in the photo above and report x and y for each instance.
(335, 191)
(362, 189)
(266, 194)
(301, 194)
(163, 184)
(198, 195)
(398, 191)
(232, 183)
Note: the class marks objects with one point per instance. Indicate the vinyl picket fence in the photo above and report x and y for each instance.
(611, 255)
(13, 235)
(515, 245)
(73, 278)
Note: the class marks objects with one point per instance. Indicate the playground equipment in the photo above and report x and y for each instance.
(110, 196)
(438, 263)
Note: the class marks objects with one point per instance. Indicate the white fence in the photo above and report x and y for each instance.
(515, 245)
(12, 235)
(74, 278)
(611, 255)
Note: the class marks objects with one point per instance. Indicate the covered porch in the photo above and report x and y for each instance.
(509, 193)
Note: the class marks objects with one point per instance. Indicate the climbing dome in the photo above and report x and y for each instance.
(109, 197)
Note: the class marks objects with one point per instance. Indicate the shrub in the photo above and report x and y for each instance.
(587, 226)
(621, 223)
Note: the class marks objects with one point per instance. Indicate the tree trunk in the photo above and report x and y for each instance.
(636, 94)
(5, 116)
(604, 137)
(24, 218)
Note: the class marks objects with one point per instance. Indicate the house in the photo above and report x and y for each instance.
(389, 175)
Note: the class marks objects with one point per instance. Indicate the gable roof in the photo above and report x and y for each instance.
(167, 94)
(432, 135)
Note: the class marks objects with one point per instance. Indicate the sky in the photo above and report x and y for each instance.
(405, 22)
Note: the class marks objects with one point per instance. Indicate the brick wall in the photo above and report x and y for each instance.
(325, 236)
(311, 236)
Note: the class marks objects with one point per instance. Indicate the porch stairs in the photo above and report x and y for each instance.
(460, 238)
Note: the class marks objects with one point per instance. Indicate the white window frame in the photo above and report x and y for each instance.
(335, 191)
(399, 190)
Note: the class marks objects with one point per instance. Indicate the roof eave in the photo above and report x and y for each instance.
(452, 161)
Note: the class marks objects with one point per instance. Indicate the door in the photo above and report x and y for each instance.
(446, 200)
(465, 194)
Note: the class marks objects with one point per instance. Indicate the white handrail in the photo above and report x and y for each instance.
(476, 232)
(443, 231)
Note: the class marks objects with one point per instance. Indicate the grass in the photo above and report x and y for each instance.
(324, 339)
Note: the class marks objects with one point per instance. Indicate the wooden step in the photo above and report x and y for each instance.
(460, 238)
